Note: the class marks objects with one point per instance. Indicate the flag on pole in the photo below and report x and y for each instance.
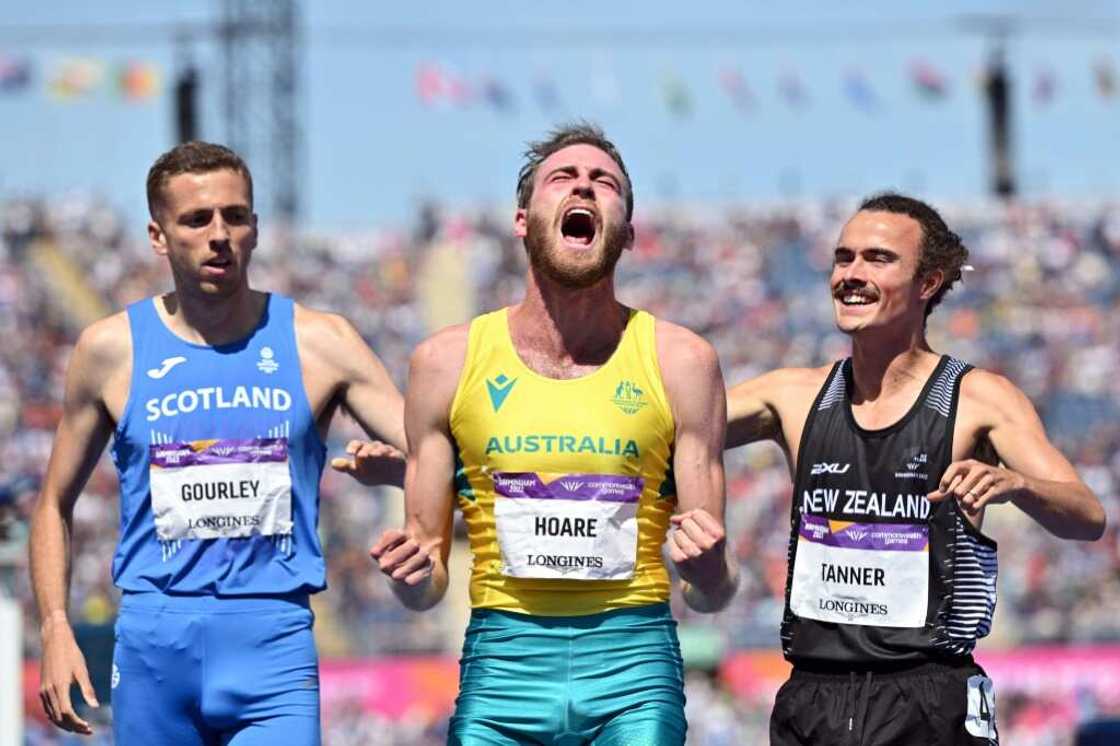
(497, 94)
(1044, 86)
(545, 92)
(15, 74)
(929, 81)
(678, 99)
(431, 84)
(75, 78)
(858, 89)
(1104, 75)
(138, 81)
(792, 90)
(735, 86)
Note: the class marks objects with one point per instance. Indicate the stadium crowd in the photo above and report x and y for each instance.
(1041, 305)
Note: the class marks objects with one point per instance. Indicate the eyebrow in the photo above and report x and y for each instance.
(569, 170)
(876, 249)
(595, 173)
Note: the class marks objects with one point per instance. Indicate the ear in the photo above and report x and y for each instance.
(521, 223)
(931, 283)
(630, 237)
(157, 238)
(253, 240)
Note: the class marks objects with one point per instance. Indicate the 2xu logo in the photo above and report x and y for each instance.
(829, 469)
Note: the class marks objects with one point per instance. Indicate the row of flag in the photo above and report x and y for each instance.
(440, 86)
(132, 80)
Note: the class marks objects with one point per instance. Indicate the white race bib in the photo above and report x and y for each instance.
(861, 573)
(221, 489)
(981, 718)
(570, 526)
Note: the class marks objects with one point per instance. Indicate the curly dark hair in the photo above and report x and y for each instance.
(194, 157)
(575, 133)
(941, 248)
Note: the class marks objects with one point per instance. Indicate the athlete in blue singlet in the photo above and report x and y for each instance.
(217, 399)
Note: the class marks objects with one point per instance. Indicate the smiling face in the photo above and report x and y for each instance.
(206, 228)
(874, 278)
(575, 226)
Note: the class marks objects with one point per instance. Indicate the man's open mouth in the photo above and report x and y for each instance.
(578, 226)
(856, 298)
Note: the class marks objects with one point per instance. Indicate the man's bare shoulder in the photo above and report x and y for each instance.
(443, 353)
(323, 331)
(678, 345)
(105, 344)
(990, 396)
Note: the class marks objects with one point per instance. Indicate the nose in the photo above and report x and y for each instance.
(854, 272)
(582, 186)
(219, 231)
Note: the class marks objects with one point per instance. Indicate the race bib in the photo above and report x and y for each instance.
(570, 526)
(221, 489)
(981, 718)
(861, 573)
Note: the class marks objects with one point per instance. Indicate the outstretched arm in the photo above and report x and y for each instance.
(415, 558)
(339, 360)
(752, 413)
(698, 542)
(1034, 475)
(83, 431)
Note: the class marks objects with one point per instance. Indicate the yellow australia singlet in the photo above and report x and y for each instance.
(565, 484)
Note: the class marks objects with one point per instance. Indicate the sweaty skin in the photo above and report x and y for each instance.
(1000, 449)
(567, 326)
(207, 231)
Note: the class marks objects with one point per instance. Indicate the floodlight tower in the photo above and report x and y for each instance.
(262, 54)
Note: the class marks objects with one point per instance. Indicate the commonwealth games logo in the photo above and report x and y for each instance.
(628, 397)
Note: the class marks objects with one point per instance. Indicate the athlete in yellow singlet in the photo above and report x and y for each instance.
(577, 436)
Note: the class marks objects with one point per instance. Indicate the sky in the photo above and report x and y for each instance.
(373, 150)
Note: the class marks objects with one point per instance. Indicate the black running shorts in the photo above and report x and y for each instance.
(932, 704)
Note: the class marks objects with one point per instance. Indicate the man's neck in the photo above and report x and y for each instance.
(212, 320)
(568, 326)
(884, 364)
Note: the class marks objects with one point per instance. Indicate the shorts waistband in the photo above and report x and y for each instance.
(836, 670)
(185, 604)
(622, 616)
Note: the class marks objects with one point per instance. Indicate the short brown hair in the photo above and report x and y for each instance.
(576, 133)
(941, 249)
(194, 157)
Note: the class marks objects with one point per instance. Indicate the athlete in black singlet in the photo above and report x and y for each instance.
(895, 453)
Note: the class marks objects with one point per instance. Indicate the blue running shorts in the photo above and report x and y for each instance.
(206, 671)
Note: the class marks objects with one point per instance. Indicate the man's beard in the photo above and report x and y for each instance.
(547, 258)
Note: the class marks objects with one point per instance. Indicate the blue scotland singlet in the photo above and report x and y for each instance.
(219, 459)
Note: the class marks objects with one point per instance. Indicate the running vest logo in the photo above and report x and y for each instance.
(824, 468)
(853, 608)
(549, 443)
(628, 397)
(266, 364)
(216, 397)
(115, 680)
(915, 465)
(165, 367)
(499, 389)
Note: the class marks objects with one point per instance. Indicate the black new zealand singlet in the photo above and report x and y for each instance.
(877, 573)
